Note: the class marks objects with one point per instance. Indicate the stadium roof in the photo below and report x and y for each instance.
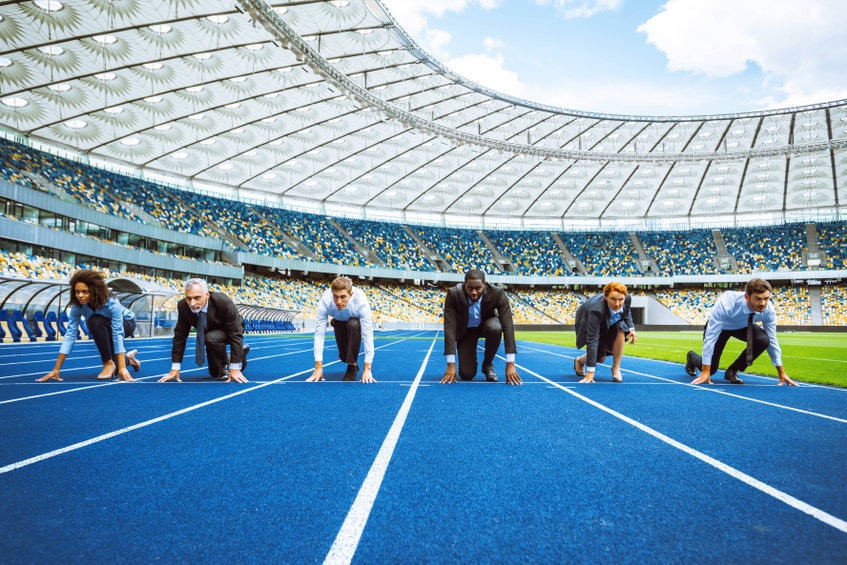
(330, 106)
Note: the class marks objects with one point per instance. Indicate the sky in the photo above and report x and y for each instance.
(674, 57)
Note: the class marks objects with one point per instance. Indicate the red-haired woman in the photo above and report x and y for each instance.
(603, 323)
(108, 322)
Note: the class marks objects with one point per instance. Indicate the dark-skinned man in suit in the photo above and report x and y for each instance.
(472, 310)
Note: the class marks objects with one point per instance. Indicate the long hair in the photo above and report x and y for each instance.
(99, 293)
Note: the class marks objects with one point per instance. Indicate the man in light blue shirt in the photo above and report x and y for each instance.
(353, 324)
(734, 315)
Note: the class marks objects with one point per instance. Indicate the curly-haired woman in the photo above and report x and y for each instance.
(108, 322)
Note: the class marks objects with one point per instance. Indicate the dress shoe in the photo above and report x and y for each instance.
(577, 371)
(223, 371)
(490, 375)
(244, 353)
(731, 375)
(132, 361)
(691, 364)
(352, 371)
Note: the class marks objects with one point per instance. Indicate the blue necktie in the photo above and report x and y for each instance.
(200, 354)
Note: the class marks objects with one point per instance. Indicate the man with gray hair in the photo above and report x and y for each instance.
(218, 324)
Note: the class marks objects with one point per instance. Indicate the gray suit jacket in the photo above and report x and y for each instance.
(592, 319)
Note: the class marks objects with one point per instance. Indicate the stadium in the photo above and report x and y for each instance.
(270, 147)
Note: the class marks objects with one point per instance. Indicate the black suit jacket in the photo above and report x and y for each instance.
(222, 315)
(494, 303)
(592, 319)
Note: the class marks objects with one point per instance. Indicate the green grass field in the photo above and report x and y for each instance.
(811, 357)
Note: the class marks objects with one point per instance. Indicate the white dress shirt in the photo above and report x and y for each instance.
(730, 312)
(357, 307)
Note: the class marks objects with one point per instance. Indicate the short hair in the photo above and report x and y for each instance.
(474, 275)
(614, 287)
(342, 283)
(191, 283)
(757, 286)
(99, 293)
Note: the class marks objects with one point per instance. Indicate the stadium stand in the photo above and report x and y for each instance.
(531, 252)
(390, 242)
(834, 308)
(608, 254)
(832, 239)
(316, 233)
(62, 174)
(561, 305)
(681, 253)
(461, 249)
(767, 248)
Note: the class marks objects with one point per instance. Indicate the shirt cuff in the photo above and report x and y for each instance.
(451, 358)
(510, 358)
(175, 366)
(589, 369)
(235, 366)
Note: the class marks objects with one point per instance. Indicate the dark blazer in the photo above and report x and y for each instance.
(494, 303)
(222, 315)
(592, 319)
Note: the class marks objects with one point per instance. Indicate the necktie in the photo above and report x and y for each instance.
(750, 339)
(200, 354)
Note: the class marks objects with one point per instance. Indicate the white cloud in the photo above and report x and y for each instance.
(488, 71)
(572, 9)
(491, 43)
(799, 46)
(414, 15)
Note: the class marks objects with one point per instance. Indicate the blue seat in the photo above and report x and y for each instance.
(49, 331)
(62, 323)
(13, 327)
(21, 322)
(52, 325)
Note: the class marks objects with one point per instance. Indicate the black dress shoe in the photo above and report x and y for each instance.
(244, 353)
(350, 374)
(223, 371)
(490, 375)
(731, 375)
(691, 364)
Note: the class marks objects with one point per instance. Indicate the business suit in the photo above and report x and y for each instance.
(595, 330)
(495, 320)
(224, 326)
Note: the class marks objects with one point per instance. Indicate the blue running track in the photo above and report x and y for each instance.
(407, 470)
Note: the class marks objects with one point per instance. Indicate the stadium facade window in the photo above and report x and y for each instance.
(72, 225)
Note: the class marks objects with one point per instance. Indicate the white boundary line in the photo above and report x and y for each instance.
(60, 451)
(347, 540)
(707, 389)
(786, 498)
(69, 369)
(9, 401)
(109, 435)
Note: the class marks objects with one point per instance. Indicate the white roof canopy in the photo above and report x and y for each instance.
(331, 103)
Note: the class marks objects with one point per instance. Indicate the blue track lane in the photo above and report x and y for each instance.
(268, 471)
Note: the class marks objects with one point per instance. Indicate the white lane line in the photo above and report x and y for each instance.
(110, 383)
(347, 540)
(709, 389)
(69, 369)
(786, 498)
(55, 452)
(109, 435)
